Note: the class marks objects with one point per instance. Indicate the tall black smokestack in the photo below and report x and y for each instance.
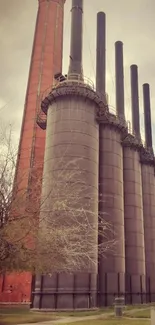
(101, 53)
(119, 72)
(135, 100)
(76, 39)
(147, 116)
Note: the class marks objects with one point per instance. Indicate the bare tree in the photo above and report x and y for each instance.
(7, 169)
(61, 230)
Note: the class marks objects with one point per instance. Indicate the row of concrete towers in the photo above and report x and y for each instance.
(116, 165)
(124, 167)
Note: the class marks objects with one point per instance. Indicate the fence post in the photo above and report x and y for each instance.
(41, 291)
(149, 285)
(3, 282)
(89, 292)
(56, 292)
(141, 289)
(74, 288)
(32, 290)
(98, 292)
(118, 285)
(130, 290)
(106, 298)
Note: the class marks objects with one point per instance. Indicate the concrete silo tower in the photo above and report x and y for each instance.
(133, 202)
(111, 203)
(148, 190)
(72, 133)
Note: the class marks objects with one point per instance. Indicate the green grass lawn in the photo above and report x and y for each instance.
(141, 313)
(24, 318)
(86, 313)
(14, 316)
(22, 315)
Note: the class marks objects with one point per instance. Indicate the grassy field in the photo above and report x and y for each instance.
(141, 313)
(112, 322)
(14, 316)
(21, 315)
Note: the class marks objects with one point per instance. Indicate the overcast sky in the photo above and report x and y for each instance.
(132, 21)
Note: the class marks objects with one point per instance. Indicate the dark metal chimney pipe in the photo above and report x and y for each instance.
(75, 66)
(135, 100)
(101, 53)
(147, 116)
(119, 72)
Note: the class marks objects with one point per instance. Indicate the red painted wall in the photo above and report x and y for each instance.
(15, 288)
(46, 60)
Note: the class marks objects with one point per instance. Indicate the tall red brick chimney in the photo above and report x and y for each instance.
(46, 60)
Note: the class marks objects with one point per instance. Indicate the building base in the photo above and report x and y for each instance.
(65, 292)
(15, 288)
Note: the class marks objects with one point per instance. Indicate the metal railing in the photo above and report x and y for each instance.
(41, 120)
(80, 79)
(77, 78)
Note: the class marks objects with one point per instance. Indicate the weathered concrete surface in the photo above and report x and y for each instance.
(112, 210)
(134, 224)
(72, 148)
(148, 187)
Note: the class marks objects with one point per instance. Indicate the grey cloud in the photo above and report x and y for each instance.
(16, 36)
(130, 21)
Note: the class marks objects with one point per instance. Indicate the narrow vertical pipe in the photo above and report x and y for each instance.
(75, 66)
(101, 53)
(119, 71)
(101, 88)
(135, 100)
(147, 116)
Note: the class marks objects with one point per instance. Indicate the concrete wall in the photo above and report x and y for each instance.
(148, 188)
(72, 137)
(112, 210)
(134, 224)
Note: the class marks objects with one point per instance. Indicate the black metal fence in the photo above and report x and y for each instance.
(138, 290)
(144, 294)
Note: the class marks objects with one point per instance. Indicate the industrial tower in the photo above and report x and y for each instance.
(72, 132)
(116, 164)
(46, 60)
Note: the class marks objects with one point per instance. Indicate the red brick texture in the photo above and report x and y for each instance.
(46, 60)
